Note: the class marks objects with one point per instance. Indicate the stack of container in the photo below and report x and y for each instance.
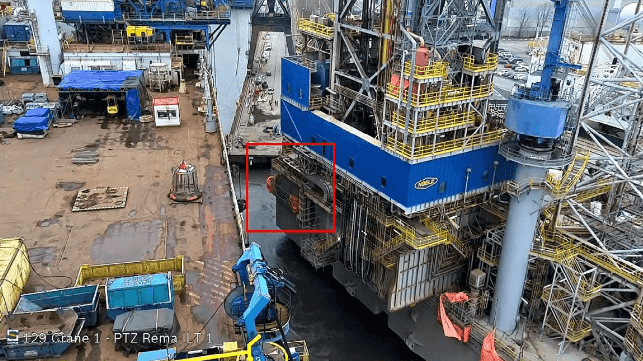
(144, 292)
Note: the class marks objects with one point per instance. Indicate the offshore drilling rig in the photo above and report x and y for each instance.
(417, 178)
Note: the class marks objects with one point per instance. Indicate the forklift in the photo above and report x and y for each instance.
(112, 105)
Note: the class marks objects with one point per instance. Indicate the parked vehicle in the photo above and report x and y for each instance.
(521, 68)
(505, 54)
(520, 76)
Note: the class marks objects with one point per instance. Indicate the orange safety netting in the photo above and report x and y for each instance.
(488, 352)
(450, 329)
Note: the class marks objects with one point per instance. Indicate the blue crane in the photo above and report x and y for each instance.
(262, 292)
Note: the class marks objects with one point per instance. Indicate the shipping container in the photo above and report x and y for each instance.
(39, 334)
(24, 70)
(139, 293)
(17, 31)
(15, 270)
(83, 300)
(87, 11)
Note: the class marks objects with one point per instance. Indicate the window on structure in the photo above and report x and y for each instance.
(27, 62)
(312, 139)
(24, 53)
(443, 187)
(351, 162)
(162, 114)
(301, 93)
(485, 175)
(288, 88)
(171, 113)
(383, 181)
(76, 68)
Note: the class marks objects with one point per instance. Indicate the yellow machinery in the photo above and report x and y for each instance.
(229, 351)
(14, 272)
(112, 105)
(139, 34)
(99, 273)
(139, 31)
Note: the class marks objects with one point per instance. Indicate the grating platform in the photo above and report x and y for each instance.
(100, 198)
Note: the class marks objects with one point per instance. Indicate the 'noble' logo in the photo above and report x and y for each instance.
(425, 183)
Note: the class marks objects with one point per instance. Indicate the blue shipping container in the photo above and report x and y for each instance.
(139, 292)
(88, 16)
(17, 31)
(83, 300)
(24, 69)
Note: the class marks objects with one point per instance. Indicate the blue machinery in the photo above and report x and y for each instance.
(259, 306)
(538, 117)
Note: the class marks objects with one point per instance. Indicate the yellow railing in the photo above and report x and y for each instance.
(448, 94)
(444, 147)
(491, 63)
(586, 290)
(435, 70)
(315, 103)
(637, 317)
(407, 235)
(577, 329)
(430, 124)
(314, 28)
(633, 345)
(560, 187)
(487, 258)
(612, 264)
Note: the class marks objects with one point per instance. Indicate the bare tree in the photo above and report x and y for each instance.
(523, 21)
(543, 16)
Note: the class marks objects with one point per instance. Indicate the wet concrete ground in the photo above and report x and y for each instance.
(335, 325)
(40, 183)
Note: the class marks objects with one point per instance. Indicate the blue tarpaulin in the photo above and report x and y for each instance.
(31, 124)
(131, 83)
(133, 104)
(40, 112)
(98, 79)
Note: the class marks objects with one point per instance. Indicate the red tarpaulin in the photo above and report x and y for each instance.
(450, 329)
(488, 352)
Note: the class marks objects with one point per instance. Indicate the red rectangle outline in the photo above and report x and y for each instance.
(248, 230)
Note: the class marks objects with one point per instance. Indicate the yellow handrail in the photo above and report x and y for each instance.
(560, 187)
(448, 94)
(314, 28)
(444, 147)
(432, 123)
(491, 63)
(434, 70)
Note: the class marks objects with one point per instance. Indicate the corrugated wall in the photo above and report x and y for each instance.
(419, 278)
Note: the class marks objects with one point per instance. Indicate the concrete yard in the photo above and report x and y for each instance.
(39, 185)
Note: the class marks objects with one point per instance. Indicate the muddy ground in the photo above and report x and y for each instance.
(39, 184)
